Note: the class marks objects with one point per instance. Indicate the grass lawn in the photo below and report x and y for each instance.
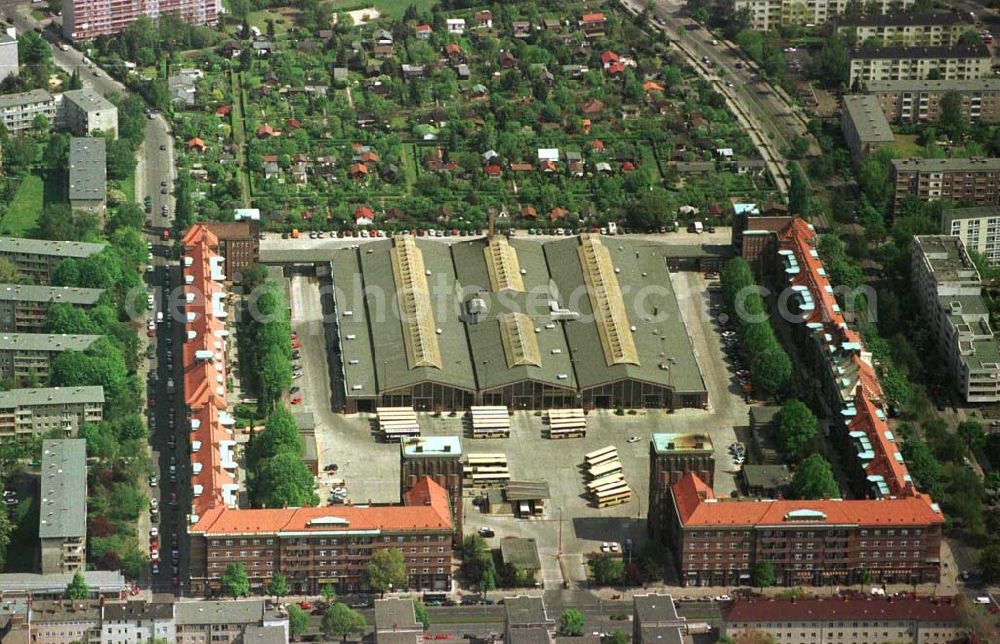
(391, 8)
(283, 19)
(126, 185)
(906, 146)
(22, 214)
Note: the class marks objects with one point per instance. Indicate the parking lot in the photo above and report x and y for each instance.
(370, 468)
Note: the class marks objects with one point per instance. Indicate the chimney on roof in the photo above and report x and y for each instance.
(447, 448)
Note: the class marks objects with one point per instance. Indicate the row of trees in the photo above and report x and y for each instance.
(278, 476)
(265, 343)
(770, 367)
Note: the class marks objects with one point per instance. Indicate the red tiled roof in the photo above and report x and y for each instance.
(493, 170)
(364, 212)
(697, 506)
(616, 68)
(196, 143)
(592, 107)
(557, 213)
(223, 111)
(359, 168)
(597, 144)
(424, 29)
(593, 17)
(610, 57)
(426, 508)
(521, 167)
(452, 48)
(832, 609)
(652, 86)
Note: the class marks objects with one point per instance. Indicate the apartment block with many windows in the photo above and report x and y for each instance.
(768, 14)
(955, 62)
(28, 412)
(25, 357)
(908, 29)
(919, 101)
(87, 19)
(978, 227)
(38, 258)
(19, 111)
(975, 180)
(23, 307)
(313, 547)
(949, 290)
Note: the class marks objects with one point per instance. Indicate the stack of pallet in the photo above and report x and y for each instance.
(397, 423)
(486, 470)
(567, 423)
(606, 484)
(490, 422)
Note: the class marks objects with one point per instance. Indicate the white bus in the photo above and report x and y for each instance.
(604, 469)
(601, 456)
(615, 496)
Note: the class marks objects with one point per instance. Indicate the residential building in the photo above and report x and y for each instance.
(316, 546)
(978, 227)
(655, 620)
(137, 620)
(974, 180)
(755, 238)
(19, 111)
(949, 290)
(396, 622)
(954, 62)
(65, 621)
(84, 112)
(865, 126)
(37, 258)
(919, 101)
(227, 621)
(439, 457)
(8, 53)
(88, 19)
(909, 29)
(860, 620)
(23, 307)
(526, 621)
(717, 542)
(182, 87)
(29, 412)
(88, 180)
(109, 584)
(62, 514)
(26, 356)
(239, 244)
(768, 14)
(671, 456)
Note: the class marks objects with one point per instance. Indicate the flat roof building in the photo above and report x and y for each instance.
(949, 290)
(85, 112)
(526, 621)
(24, 307)
(226, 621)
(38, 258)
(8, 53)
(919, 101)
(396, 622)
(655, 620)
(978, 227)
(19, 111)
(975, 180)
(25, 413)
(522, 554)
(26, 356)
(671, 456)
(865, 126)
(88, 180)
(514, 342)
(62, 518)
(86, 19)
(952, 62)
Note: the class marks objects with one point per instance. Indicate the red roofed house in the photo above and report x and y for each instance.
(593, 24)
(266, 131)
(309, 546)
(592, 107)
(557, 213)
(609, 57)
(364, 216)
(293, 124)
(597, 145)
(359, 171)
(484, 19)
(823, 542)
(615, 68)
(521, 167)
(653, 86)
(424, 32)
(861, 619)
(453, 50)
(196, 144)
(224, 110)
(529, 212)
(493, 170)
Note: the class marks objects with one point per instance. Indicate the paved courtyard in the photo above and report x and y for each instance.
(370, 468)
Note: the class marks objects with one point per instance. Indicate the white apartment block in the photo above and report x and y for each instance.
(916, 63)
(28, 412)
(978, 227)
(8, 53)
(909, 29)
(18, 111)
(948, 288)
(768, 14)
(84, 112)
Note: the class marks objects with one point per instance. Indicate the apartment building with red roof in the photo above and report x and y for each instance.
(312, 547)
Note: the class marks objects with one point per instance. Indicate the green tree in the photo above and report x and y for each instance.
(277, 586)
(75, 82)
(989, 563)
(488, 580)
(120, 158)
(971, 432)
(618, 636)
(420, 611)
(340, 621)
(66, 318)
(831, 66)
(280, 436)
(235, 581)
(764, 575)
(7, 528)
(771, 369)
(606, 569)
(795, 427)
(298, 621)
(328, 593)
(386, 570)
(284, 481)
(9, 274)
(77, 588)
(798, 191)
(813, 479)
(571, 622)
(951, 120)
